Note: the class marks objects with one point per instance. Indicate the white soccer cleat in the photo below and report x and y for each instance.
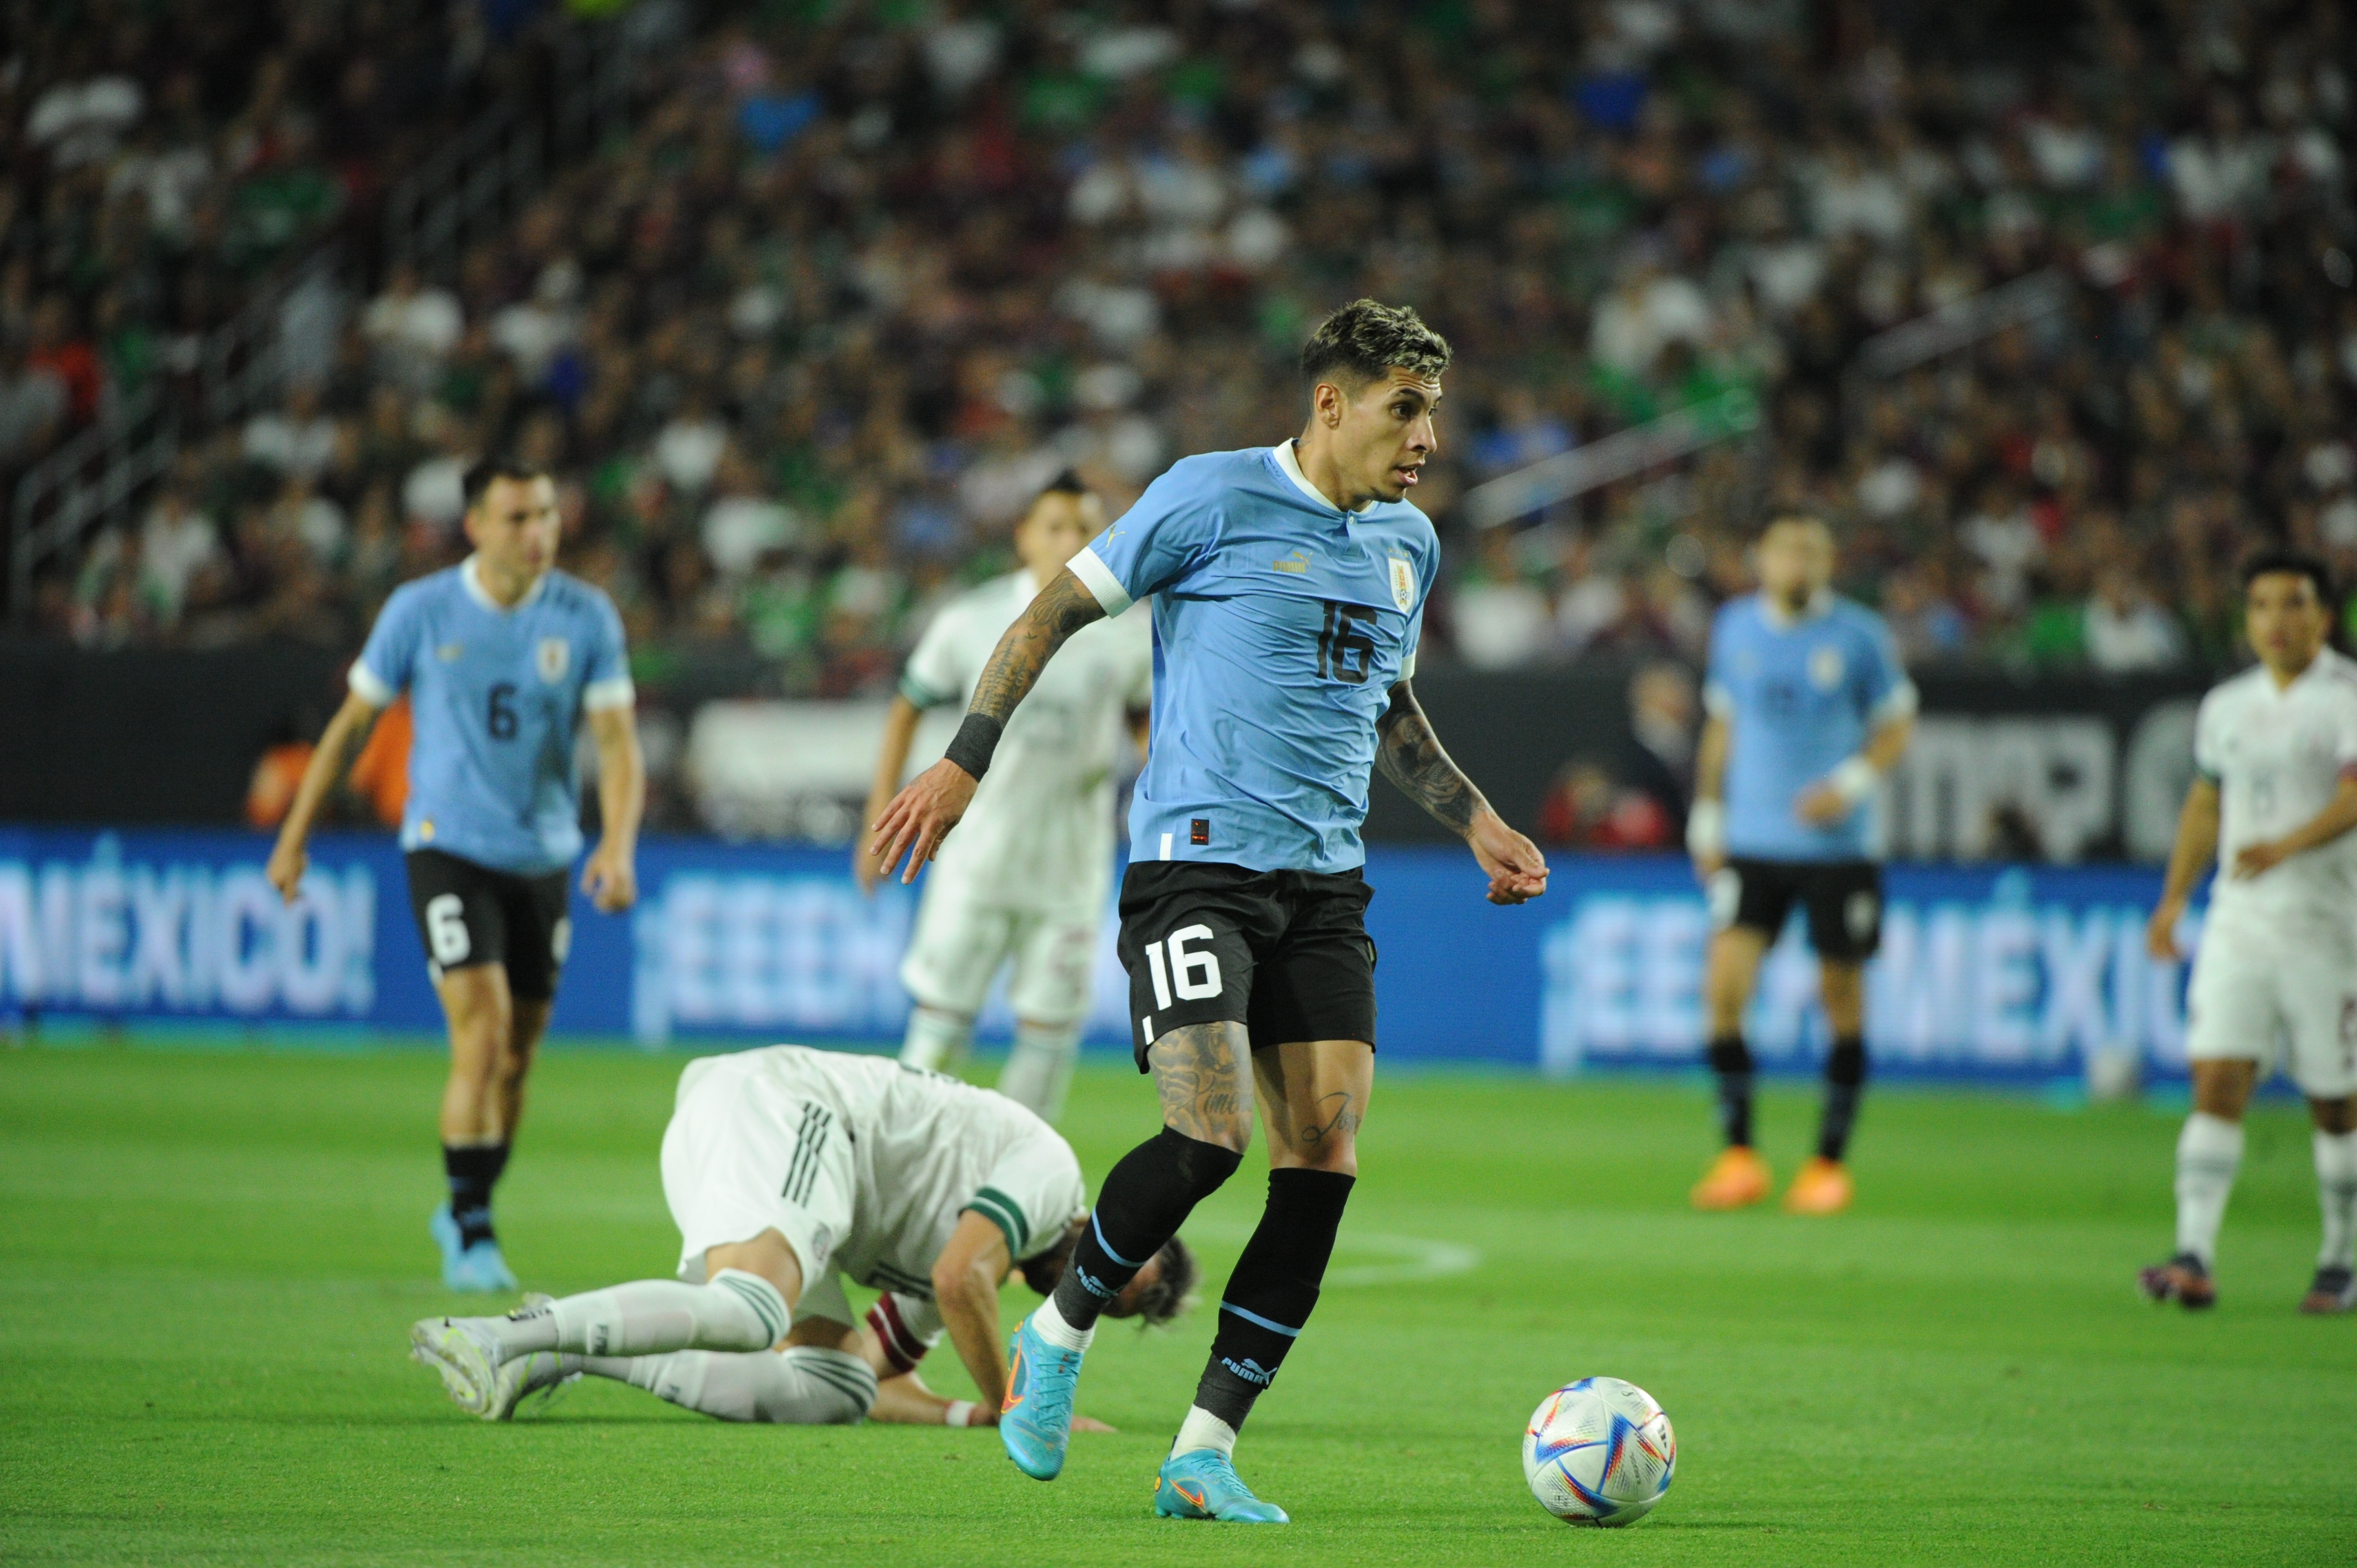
(467, 1353)
(540, 1372)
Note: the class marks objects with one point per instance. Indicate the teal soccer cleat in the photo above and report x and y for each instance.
(481, 1267)
(1036, 1423)
(1203, 1483)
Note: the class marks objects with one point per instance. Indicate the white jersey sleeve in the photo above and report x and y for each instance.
(936, 674)
(1033, 1191)
(2209, 749)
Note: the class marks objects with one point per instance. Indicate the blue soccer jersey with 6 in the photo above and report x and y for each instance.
(1800, 693)
(1281, 622)
(497, 696)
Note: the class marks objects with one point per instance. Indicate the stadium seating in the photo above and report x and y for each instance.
(804, 339)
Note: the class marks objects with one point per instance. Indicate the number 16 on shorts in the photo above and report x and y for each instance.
(1181, 972)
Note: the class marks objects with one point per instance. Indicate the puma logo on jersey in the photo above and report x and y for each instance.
(1297, 563)
(451, 652)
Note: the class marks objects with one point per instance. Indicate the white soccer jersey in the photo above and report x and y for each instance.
(1040, 834)
(2278, 758)
(863, 1165)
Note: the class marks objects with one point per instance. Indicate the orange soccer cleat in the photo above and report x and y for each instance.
(1823, 1187)
(1736, 1179)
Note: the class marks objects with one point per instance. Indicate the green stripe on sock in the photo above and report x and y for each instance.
(754, 1298)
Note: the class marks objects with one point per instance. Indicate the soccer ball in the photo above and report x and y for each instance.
(1598, 1451)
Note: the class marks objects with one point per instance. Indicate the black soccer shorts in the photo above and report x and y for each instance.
(1284, 953)
(469, 914)
(1843, 898)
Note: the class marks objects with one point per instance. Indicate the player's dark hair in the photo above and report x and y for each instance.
(2274, 558)
(1173, 1289)
(1366, 338)
(482, 471)
(1067, 483)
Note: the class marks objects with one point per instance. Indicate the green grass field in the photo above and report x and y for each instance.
(210, 1259)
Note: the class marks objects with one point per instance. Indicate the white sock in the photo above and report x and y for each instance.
(1049, 1324)
(804, 1386)
(2208, 1153)
(1201, 1429)
(1038, 1072)
(935, 1039)
(733, 1311)
(2336, 1191)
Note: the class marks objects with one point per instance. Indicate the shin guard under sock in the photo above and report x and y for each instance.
(1270, 1296)
(1144, 1201)
(1845, 1086)
(1730, 1059)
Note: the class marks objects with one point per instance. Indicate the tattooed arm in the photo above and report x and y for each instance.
(1412, 756)
(922, 814)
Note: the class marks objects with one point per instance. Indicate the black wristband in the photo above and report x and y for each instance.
(976, 739)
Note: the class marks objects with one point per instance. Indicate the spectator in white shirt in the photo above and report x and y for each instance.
(413, 327)
(295, 441)
(176, 542)
(2126, 630)
(687, 448)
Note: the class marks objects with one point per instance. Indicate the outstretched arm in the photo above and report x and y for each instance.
(329, 761)
(922, 814)
(1412, 756)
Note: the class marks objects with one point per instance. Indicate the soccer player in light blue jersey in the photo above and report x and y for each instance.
(1808, 708)
(1289, 585)
(503, 658)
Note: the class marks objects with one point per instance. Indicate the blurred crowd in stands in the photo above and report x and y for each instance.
(863, 276)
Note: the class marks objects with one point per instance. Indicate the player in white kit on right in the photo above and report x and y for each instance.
(1029, 875)
(2272, 804)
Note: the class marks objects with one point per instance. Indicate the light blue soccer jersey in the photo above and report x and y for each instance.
(1280, 625)
(1800, 695)
(496, 696)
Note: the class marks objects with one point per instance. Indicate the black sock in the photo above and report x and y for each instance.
(1845, 1085)
(471, 1171)
(1274, 1286)
(1731, 1060)
(1144, 1201)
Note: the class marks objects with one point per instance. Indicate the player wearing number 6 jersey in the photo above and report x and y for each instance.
(2272, 800)
(503, 658)
(1288, 586)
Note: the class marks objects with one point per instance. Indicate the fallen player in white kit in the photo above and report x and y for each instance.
(786, 1169)
(1028, 876)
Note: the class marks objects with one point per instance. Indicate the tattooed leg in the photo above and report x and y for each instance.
(1206, 1095)
(1313, 1096)
(1207, 1119)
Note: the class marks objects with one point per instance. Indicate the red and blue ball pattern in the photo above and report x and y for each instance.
(1600, 1452)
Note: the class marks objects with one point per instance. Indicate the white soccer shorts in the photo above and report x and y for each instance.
(745, 1154)
(960, 942)
(2251, 991)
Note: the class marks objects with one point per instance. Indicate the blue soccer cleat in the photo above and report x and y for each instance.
(1203, 1483)
(481, 1267)
(1036, 1422)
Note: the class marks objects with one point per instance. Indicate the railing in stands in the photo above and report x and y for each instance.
(1733, 413)
(478, 181)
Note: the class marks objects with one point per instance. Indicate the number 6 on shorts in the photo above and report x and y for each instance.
(1196, 974)
(445, 929)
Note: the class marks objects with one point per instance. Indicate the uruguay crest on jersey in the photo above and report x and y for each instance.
(551, 657)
